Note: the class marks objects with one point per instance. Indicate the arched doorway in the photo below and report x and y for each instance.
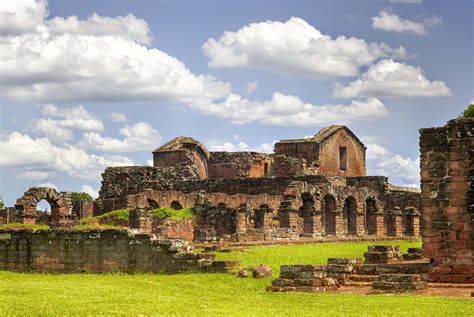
(349, 214)
(176, 205)
(307, 212)
(371, 216)
(329, 215)
(43, 212)
(153, 203)
(259, 216)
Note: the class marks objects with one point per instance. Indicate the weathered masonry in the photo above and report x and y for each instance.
(447, 192)
(310, 187)
(96, 251)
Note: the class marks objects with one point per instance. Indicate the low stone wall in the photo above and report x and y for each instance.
(180, 229)
(97, 251)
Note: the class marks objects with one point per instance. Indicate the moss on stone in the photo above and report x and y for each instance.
(15, 225)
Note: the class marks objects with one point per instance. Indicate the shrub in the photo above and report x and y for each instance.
(468, 112)
(77, 197)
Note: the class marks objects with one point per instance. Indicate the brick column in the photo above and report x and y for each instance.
(447, 203)
(340, 225)
(416, 225)
(398, 225)
(380, 225)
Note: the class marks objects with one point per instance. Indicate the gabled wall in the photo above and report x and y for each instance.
(329, 155)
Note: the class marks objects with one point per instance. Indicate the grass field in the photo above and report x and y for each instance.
(211, 294)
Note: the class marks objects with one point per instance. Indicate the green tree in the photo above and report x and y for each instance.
(77, 197)
(2, 203)
(469, 111)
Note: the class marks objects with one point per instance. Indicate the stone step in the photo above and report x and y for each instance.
(357, 284)
(362, 278)
(400, 278)
(344, 261)
(394, 268)
(384, 248)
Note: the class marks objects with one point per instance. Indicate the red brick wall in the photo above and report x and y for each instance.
(329, 155)
(306, 150)
(447, 200)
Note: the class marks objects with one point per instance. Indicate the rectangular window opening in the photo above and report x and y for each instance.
(343, 158)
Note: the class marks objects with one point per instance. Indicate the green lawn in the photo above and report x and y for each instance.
(210, 294)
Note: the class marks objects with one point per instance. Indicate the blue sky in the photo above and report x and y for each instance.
(87, 84)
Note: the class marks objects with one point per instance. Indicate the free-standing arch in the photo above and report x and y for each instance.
(349, 214)
(61, 206)
(329, 215)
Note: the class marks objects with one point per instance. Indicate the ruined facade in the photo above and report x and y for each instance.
(447, 191)
(308, 188)
(311, 187)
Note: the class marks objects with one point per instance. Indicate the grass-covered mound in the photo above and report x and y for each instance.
(113, 219)
(173, 214)
(120, 218)
(20, 226)
(211, 294)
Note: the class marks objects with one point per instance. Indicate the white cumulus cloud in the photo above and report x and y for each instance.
(89, 190)
(388, 21)
(100, 59)
(287, 110)
(381, 161)
(229, 146)
(294, 48)
(127, 27)
(20, 16)
(140, 136)
(41, 156)
(389, 78)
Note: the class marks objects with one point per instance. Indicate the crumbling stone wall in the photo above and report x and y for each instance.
(94, 251)
(447, 200)
(184, 151)
(239, 164)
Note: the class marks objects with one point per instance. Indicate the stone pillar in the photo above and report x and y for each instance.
(141, 219)
(398, 225)
(242, 220)
(360, 224)
(447, 200)
(340, 225)
(380, 225)
(416, 225)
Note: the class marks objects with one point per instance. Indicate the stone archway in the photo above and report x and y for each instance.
(306, 212)
(371, 216)
(61, 205)
(349, 214)
(329, 215)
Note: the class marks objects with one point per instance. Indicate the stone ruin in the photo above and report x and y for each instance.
(447, 192)
(308, 188)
